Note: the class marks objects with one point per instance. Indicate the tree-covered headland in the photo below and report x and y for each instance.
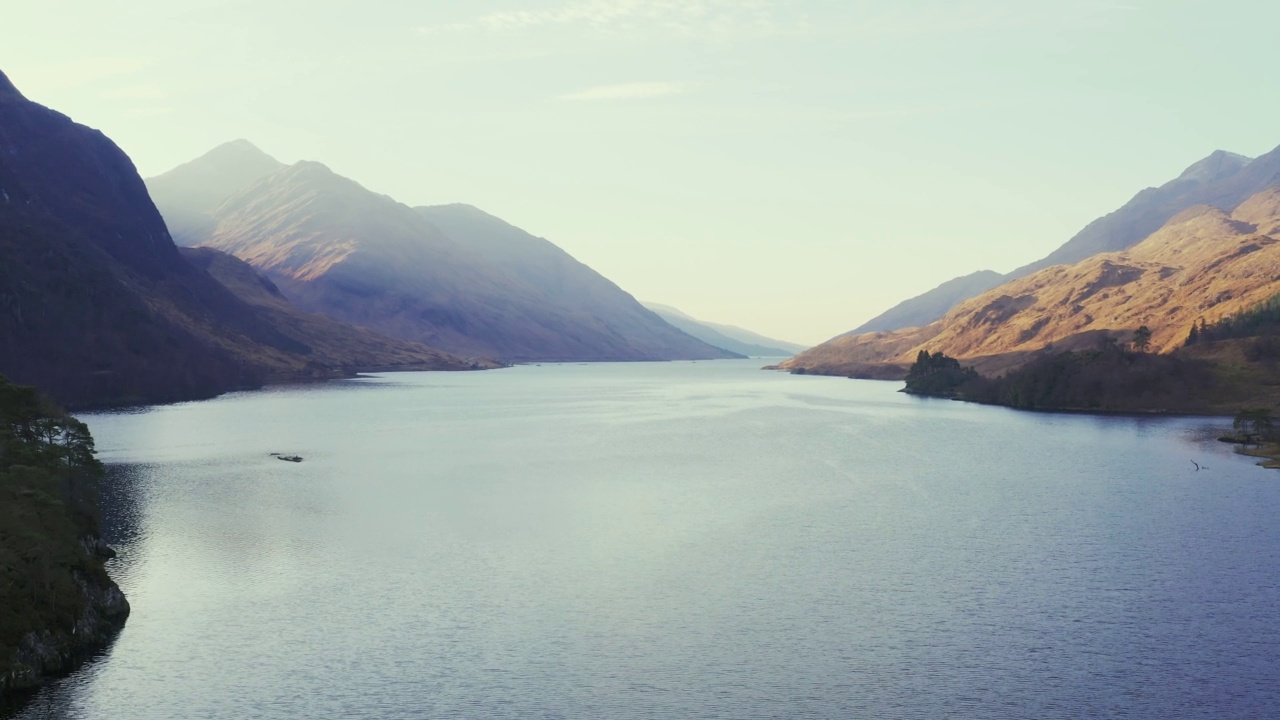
(56, 600)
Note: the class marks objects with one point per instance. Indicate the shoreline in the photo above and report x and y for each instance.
(1268, 455)
(46, 654)
(274, 380)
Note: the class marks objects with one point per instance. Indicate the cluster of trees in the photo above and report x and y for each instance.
(48, 506)
(1261, 320)
(1255, 426)
(936, 375)
(1107, 379)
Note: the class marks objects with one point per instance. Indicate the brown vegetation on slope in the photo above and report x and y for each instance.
(1202, 263)
(1221, 180)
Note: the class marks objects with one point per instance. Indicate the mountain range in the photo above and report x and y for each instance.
(729, 337)
(97, 304)
(448, 276)
(1206, 262)
(1222, 180)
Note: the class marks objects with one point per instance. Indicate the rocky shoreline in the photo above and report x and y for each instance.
(48, 652)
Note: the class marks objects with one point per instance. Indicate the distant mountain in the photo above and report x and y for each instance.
(97, 306)
(450, 276)
(1219, 180)
(320, 345)
(728, 337)
(189, 191)
(1222, 180)
(1204, 263)
(924, 309)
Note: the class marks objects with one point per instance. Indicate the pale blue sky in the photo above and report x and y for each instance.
(794, 168)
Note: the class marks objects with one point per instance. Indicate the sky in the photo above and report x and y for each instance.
(790, 167)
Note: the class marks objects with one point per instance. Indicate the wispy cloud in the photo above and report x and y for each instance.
(706, 18)
(971, 17)
(729, 20)
(628, 91)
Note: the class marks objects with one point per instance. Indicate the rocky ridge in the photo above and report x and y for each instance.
(1204, 263)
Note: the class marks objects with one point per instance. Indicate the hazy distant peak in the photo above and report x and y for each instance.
(201, 184)
(240, 155)
(7, 89)
(1220, 164)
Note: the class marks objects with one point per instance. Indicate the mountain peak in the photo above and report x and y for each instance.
(1218, 165)
(239, 151)
(7, 89)
(310, 167)
(192, 190)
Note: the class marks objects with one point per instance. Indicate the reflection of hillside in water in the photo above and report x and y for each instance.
(120, 501)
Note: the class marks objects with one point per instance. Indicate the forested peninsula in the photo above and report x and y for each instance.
(59, 603)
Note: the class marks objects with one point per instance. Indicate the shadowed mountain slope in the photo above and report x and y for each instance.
(450, 276)
(96, 304)
(323, 345)
(729, 337)
(1205, 262)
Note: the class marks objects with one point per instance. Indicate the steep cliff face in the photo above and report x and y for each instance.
(88, 267)
(1204, 263)
(54, 650)
(97, 306)
(450, 276)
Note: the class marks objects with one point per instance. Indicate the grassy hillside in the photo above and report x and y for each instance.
(1203, 264)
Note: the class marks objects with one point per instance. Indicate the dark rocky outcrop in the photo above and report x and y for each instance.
(52, 651)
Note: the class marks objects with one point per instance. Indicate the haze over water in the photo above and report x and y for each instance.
(675, 540)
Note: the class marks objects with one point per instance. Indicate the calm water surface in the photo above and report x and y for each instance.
(676, 540)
